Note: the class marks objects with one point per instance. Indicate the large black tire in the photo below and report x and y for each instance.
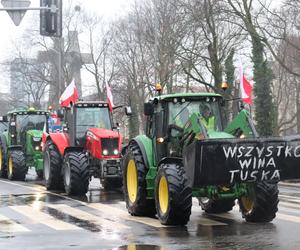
(216, 206)
(40, 174)
(134, 183)
(111, 183)
(261, 204)
(173, 197)
(3, 162)
(52, 167)
(17, 168)
(76, 173)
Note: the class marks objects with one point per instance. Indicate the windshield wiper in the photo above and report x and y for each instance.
(181, 111)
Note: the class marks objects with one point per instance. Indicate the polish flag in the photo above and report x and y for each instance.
(69, 96)
(44, 137)
(246, 88)
(109, 97)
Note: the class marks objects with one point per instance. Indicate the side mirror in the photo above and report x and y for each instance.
(3, 118)
(148, 109)
(241, 105)
(128, 111)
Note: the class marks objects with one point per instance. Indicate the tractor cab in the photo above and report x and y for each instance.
(179, 119)
(86, 118)
(26, 127)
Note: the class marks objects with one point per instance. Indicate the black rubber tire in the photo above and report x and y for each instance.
(141, 206)
(265, 199)
(111, 183)
(52, 167)
(40, 174)
(216, 206)
(3, 162)
(19, 168)
(76, 173)
(179, 195)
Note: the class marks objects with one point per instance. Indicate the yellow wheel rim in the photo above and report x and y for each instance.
(1, 159)
(132, 185)
(248, 203)
(10, 166)
(163, 194)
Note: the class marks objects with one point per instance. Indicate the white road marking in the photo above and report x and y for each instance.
(40, 217)
(9, 226)
(289, 204)
(80, 214)
(291, 218)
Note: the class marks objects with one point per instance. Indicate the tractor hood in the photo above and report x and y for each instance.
(103, 133)
(35, 133)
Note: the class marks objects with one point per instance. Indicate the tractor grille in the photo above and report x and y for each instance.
(110, 144)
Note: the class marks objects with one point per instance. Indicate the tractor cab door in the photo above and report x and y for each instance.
(160, 147)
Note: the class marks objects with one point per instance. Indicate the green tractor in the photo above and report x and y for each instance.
(186, 152)
(20, 144)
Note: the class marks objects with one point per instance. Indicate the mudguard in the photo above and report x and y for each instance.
(229, 161)
(61, 141)
(145, 145)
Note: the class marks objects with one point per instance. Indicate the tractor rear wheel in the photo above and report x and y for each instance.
(216, 206)
(261, 203)
(134, 183)
(3, 165)
(173, 197)
(52, 167)
(76, 173)
(40, 174)
(17, 168)
(111, 183)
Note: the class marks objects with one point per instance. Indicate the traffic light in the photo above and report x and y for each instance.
(51, 19)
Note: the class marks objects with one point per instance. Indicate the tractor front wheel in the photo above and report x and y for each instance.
(52, 167)
(3, 166)
(17, 168)
(261, 202)
(173, 197)
(135, 185)
(216, 206)
(76, 173)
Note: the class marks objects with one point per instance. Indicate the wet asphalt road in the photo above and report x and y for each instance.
(33, 218)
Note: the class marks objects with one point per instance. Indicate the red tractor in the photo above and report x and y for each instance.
(88, 146)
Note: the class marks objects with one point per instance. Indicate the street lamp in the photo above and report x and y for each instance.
(59, 69)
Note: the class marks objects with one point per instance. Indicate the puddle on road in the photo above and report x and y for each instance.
(140, 247)
(71, 219)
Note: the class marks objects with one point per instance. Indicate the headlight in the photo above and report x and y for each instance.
(105, 152)
(36, 139)
(12, 135)
(37, 148)
(116, 152)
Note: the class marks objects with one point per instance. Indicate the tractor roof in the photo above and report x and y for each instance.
(28, 111)
(186, 95)
(91, 104)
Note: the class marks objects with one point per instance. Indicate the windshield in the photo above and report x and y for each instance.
(92, 118)
(29, 122)
(208, 113)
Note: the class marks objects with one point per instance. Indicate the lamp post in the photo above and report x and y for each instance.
(59, 69)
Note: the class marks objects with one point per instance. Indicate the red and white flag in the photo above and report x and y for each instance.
(44, 137)
(109, 97)
(70, 95)
(246, 88)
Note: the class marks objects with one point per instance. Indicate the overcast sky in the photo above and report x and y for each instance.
(11, 34)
